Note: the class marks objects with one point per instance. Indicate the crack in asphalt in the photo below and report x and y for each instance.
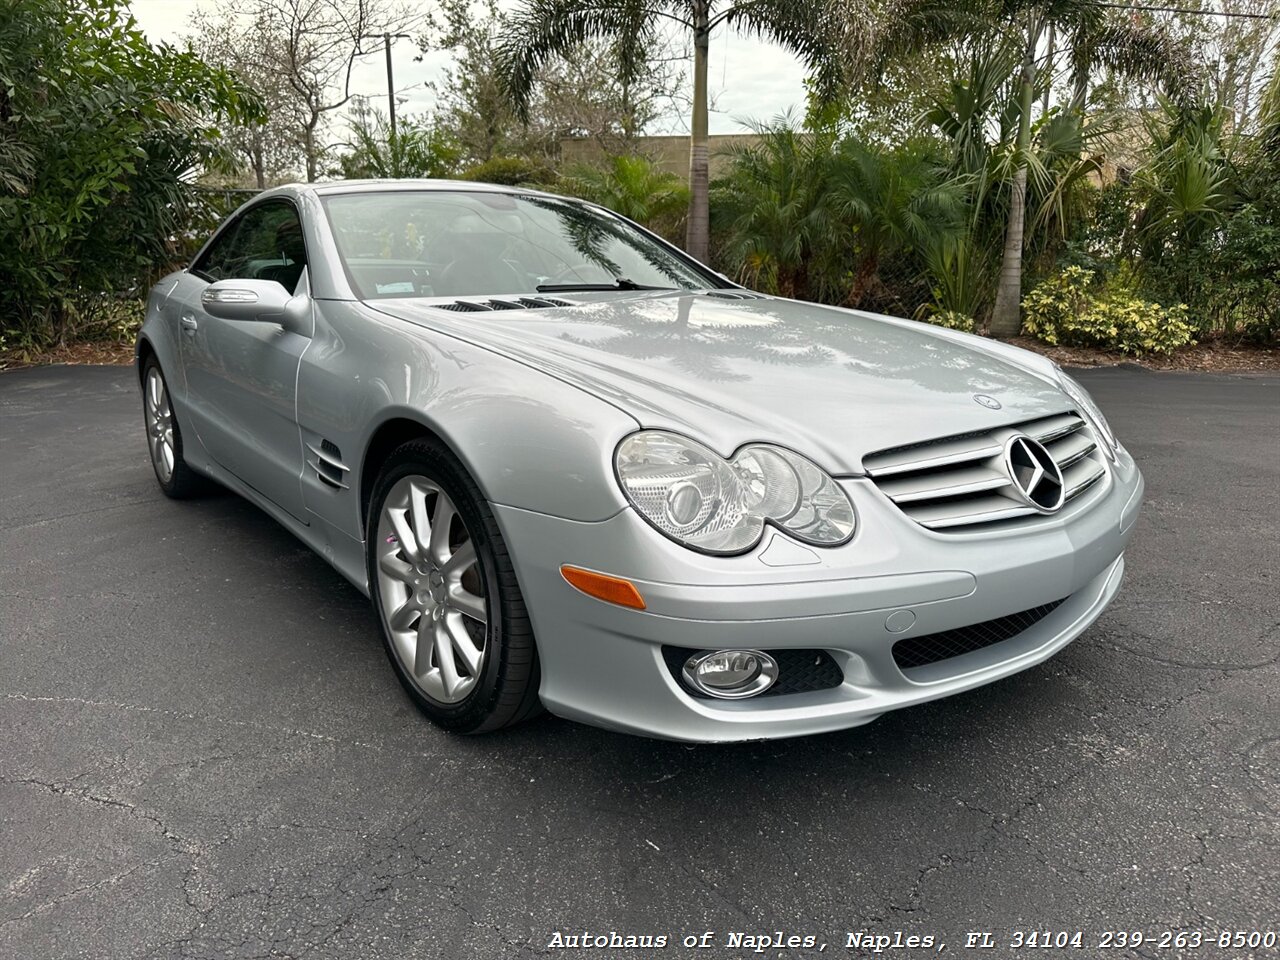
(1000, 822)
(182, 846)
(211, 718)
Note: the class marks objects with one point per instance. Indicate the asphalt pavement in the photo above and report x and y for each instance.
(203, 752)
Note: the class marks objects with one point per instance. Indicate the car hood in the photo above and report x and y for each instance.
(831, 383)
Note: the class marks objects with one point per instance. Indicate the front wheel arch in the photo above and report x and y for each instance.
(142, 353)
(390, 436)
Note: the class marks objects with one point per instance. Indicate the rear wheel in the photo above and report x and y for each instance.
(164, 437)
(452, 617)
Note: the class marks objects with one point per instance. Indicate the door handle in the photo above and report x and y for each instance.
(189, 322)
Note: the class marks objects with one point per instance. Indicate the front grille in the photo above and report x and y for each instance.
(921, 651)
(799, 671)
(957, 483)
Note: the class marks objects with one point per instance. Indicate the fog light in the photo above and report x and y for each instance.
(731, 674)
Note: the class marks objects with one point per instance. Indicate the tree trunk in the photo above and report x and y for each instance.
(1050, 55)
(1079, 92)
(310, 148)
(1006, 316)
(698, 235)
(863, 274)
(260, 168)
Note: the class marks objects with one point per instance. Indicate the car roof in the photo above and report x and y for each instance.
(336, 187)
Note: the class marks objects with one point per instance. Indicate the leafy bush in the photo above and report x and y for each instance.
(809, 214)
(633, 186)
(1067, 310)
(413, 151)
(100, 134)
(1243, 299)
(110, 318)
(511, 172)
(951, 319)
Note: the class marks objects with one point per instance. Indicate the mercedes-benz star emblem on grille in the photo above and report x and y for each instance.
(1035, 474)
(991, 403)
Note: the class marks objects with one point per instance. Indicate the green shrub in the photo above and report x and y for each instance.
(1244, 296)
(951, 319)
(109, 318)
(511, 172)
(1067, 309)
(100, 133)
(633, 186)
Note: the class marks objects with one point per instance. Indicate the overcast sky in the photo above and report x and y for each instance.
(749, 80)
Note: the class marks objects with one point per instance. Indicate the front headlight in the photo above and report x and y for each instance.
(1089, 410)
(700, 500)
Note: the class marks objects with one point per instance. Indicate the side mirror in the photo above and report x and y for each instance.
(264, 300)
(261, 300)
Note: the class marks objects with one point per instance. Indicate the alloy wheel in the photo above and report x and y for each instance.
(159, 425)
(431, 592)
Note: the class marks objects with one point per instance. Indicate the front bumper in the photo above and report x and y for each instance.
(603, 664)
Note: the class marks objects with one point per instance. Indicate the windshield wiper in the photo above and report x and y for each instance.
(621, 283)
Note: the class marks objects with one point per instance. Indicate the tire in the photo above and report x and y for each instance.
(164, 438)
(429, 599)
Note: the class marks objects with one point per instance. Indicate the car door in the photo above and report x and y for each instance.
(241, 376)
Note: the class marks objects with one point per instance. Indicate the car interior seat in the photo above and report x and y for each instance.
(293, 251)
(474, 270)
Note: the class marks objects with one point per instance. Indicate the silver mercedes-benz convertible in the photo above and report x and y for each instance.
(575, 469)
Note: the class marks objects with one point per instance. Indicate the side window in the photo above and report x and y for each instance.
(265, 244)
(215, 263)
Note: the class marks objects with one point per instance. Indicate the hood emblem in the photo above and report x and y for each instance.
(991, 403)
(1035, 474)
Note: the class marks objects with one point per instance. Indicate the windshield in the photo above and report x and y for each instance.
(434, 243)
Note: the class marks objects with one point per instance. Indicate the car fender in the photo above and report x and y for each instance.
(529, 440)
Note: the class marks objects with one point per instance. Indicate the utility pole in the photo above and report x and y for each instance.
(386, 39)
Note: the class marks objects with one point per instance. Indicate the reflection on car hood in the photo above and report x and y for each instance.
(833, 384)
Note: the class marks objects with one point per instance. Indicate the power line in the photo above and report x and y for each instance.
(387, 38)
(1194, 13)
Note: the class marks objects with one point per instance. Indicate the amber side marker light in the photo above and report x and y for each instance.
(603, 587)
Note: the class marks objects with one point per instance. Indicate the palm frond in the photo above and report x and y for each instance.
(1139, 51)
(806, 28)
(540, 30)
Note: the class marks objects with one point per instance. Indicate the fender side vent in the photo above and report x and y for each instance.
(326, 463)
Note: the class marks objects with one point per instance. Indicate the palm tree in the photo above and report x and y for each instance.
(814, 217)
(897, 202)
(781, 228)
(1187, 188)
(630, 185)
(542, 29)
(1095, 36)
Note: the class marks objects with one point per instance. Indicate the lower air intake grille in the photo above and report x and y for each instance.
(799, 671)
(921, 651)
